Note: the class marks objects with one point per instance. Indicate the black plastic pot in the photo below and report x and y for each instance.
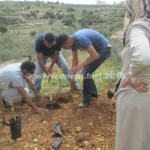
(57, 129)
(110, 94)
(52, 106)
(15, 128)
(57, 143)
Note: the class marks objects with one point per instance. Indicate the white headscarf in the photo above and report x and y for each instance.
(137, 8)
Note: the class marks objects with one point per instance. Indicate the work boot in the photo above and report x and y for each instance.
(76, 86)
(95, 95)
(84, 103)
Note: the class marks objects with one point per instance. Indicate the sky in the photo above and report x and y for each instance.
(75, 1)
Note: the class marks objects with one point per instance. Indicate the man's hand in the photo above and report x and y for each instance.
(39, 110)
(49, 77)
(37, 96)
(140, 86)
(75, 69)
(50, 70)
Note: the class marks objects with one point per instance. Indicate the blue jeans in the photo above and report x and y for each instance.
(61, 62)
(89, 87)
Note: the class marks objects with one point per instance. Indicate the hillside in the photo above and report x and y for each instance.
(91, 128)
(21, 22)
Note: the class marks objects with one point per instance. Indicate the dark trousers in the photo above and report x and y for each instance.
(89, 87)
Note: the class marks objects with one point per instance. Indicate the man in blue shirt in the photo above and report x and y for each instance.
(98, 48)
(46, 47)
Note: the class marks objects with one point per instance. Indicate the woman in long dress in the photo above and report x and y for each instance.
(133, 95)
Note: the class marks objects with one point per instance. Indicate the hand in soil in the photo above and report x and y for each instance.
(39, 110)
(37, 97)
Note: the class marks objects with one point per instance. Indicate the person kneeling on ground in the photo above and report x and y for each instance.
(13, 81)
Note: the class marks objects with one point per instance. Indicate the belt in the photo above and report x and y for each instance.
(107, 48)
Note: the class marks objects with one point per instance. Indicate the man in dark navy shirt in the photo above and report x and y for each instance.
(46, 47)
(98, 48)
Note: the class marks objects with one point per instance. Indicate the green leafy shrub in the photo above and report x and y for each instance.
(32, 33)
(3, 29)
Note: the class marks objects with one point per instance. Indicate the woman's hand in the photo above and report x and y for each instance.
(140, 86)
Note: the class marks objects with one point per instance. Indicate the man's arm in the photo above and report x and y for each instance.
(31, 86)
(54, 60)
(93, 56)
(28, 100)
(39, 57)
(74, 63)
(74, 58)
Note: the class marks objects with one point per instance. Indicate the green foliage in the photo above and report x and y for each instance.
(11, 20)
(50, 15)
(69, 10)
(3, 29)
(50, 21)
(27, 19)
(32, 33)
(69, 20)
(34, 14)
(59, 16)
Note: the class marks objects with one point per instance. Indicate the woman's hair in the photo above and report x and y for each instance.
(28, 65)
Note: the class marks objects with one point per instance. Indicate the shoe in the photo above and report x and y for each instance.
(84, 104)
(6, 104)
(76, 87)
(95, 95)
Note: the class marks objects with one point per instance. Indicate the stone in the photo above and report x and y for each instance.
(86, 143)
(35, 140)
(78, 129)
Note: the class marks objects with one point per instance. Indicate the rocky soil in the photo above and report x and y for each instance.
(91, 128)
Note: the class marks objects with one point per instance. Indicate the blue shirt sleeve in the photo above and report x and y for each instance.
(38, 46)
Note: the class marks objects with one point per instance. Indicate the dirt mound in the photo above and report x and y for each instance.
(91, 128)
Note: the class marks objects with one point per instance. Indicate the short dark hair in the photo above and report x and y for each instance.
(49, 37)
(28, 65)
(62, 39)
